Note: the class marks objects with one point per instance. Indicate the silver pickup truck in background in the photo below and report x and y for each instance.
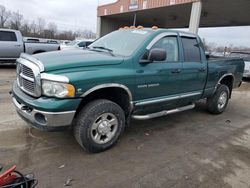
(12, 45)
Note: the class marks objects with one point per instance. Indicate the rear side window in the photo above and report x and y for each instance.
(191, 49)
(7, 36)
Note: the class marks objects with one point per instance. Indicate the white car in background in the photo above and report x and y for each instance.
(76, 44)
(246, 57)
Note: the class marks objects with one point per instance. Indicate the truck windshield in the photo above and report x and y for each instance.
(122, 42)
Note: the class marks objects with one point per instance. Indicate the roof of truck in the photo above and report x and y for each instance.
(161, 30)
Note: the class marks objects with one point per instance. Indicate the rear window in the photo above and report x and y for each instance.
(191, 49)
(7, 36)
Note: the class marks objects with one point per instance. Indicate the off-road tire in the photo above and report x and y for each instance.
(86, 118)
(213, 102)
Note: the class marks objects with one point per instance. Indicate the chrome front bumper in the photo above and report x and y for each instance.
(44, 120)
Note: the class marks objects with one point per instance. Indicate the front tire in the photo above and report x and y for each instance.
(99, 125)
(218, 102)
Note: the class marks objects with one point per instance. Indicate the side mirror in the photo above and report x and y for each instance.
(207, 55)
(157, 54)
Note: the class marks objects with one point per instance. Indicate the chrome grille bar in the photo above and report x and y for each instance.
(28, 75)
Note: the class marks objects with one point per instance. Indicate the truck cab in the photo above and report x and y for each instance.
(11, 44)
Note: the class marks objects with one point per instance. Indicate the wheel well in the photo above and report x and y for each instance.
(228, 81)
(114, 94)
(39, 51)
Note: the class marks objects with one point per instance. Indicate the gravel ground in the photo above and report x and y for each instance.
(189, 149)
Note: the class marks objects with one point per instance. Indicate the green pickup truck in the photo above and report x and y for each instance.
(139, 73)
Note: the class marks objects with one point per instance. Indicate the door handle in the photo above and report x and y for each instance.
(176, 71)
(17, 45)
(202, 69)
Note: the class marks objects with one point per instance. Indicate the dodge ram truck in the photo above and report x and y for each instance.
(139, 73)
(12, 45)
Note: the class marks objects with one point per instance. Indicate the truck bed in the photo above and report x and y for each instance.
(219, 66)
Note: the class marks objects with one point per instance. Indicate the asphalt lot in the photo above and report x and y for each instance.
(189, 149)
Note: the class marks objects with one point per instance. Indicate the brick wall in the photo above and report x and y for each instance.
(125, 5)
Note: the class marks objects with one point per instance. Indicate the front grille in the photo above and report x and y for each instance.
(27, 71)
(26, 84)
(29, 75)
(26, 79)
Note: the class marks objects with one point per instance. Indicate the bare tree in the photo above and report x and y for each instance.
(52, 29)
(87, 34)
(41, 24)
(33, 29)
(26, 29)
(16, 21)
(39, 28)
(4, 16)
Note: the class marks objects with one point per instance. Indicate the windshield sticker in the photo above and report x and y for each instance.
(140, 32)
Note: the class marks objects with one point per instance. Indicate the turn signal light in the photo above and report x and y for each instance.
(71, 90)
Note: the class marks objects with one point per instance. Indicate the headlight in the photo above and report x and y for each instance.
(57, 89)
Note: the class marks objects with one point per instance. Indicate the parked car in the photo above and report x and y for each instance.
(52, 41)
(129, 73)
(12, 45)
(81, 44)
(64, 42)
(246, 57)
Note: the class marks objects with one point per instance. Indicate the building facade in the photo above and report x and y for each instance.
(190, 14)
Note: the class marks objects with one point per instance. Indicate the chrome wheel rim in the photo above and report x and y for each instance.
(104, 128)
(222, 100)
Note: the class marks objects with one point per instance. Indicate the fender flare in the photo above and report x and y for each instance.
(221, 78)
(109, 85)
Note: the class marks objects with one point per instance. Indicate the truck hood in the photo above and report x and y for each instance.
(75, 58)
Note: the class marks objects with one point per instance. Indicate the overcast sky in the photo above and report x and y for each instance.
(81, 14)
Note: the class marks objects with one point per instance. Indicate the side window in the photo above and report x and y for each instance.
(7, 36)
(191, 49)
(88, 43)
(170, 44)
(82, 44)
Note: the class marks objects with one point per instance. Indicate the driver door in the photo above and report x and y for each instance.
(158, 82)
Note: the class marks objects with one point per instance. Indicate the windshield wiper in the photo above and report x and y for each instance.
(104, 48)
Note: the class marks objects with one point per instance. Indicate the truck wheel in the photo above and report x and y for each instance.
(99, 125)
(218, 102)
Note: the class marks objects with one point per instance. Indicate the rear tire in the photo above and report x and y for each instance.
(99, 125)
(218, 102)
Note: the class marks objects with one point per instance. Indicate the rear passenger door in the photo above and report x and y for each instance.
(10, 47)
(194, 69)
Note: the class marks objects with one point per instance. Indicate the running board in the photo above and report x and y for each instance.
(163, 113)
